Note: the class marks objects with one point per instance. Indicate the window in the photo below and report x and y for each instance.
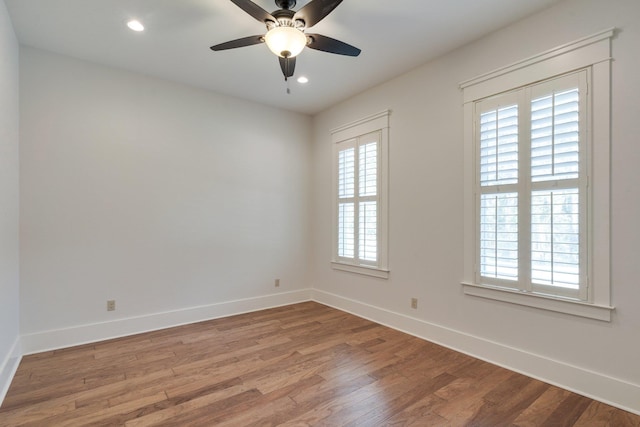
(537, 222)
(360, 183)
(530, 146)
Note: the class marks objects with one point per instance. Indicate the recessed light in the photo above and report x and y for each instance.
(303, 80)
(135, 25)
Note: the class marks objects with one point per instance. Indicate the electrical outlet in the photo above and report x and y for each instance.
(414, 303)
(277, 283)
(111, 305)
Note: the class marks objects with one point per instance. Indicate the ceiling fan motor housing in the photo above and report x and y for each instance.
(284, 18)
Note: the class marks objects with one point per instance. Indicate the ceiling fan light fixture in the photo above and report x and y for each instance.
(286, 42)
(286, 36)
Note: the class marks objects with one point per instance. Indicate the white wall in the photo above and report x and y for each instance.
(9, 201)
(169, 199)
(426, 203)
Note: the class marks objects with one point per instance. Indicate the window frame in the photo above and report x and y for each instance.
(344, 137)
(593, 54)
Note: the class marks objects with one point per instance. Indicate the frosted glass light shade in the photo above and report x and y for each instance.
(285, 42)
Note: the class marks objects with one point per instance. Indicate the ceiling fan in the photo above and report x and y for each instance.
(286, 35)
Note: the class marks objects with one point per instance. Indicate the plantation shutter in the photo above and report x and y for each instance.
(358, 199)
(558, 218)
(368, 198)
(532, 186)
(498, 154)
(346, 201)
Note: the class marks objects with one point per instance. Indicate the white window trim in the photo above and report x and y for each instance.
(593, 52)
(376, 122)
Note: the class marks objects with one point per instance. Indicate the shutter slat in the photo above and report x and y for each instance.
(499, 236)
(555, 238)
(346, 230)
(555, 136)
(368, 166)
(499, 146)
(346, 173)
(368, 226)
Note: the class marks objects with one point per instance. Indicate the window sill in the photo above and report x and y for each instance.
(575, 308)
(359, 269)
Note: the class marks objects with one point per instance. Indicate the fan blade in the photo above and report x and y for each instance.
(315, 11)
(327, 44)
(288, 66)
(245, 41)
(254, 10)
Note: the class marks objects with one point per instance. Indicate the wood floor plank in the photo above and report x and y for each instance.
(380, 414)
(36, 413)
(347, 408)
(510, 403)
(538, 412)
(308, 399)
(420, 413)
(299, 365)
(569, 410)
(200, 408)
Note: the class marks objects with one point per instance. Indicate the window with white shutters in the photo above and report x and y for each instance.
(358, 166)
(531, 189)
(537, 180)
(360, 183)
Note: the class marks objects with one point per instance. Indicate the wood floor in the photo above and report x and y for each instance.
(299, 365)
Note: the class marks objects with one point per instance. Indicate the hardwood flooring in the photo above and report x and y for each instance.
(300, 365)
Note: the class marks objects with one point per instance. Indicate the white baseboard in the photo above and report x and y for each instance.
(9, 367)
(77, 335)
(613, 391)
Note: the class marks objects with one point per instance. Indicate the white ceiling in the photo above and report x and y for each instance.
(395, 36)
